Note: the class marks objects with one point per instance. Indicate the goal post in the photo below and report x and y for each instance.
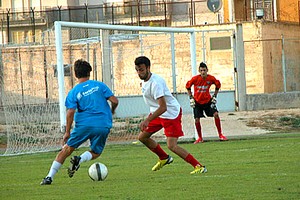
(106, 27)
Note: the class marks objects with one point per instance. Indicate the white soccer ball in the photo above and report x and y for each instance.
(98, 171)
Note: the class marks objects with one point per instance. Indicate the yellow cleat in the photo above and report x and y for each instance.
(162, 163)
(199, 170)
(136, 142)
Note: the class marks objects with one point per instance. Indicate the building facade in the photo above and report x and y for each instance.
(23, 21)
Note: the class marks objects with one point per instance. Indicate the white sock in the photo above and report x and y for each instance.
(86, 156)
(54, 169)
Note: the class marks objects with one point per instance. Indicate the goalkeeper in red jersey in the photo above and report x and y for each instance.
(202, 102)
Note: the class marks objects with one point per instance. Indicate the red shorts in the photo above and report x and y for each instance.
(172, 127)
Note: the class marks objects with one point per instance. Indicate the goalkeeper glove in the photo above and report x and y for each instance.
(214, 99)
(192, 102)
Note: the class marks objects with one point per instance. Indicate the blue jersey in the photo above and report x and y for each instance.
(90, 101)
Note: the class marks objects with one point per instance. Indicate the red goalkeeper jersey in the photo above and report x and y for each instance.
(201, 87)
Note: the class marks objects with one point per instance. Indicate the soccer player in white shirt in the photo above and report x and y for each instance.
(165, 112)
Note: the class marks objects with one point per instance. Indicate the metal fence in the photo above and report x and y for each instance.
(161, 13)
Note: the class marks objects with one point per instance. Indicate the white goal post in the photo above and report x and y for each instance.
(59, 50)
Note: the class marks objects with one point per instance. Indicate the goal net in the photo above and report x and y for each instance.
(111, 49)
(42, 74)
(28, 104)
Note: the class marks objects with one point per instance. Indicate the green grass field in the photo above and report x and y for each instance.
(262, 167)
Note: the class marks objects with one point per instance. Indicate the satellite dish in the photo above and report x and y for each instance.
(214, 5)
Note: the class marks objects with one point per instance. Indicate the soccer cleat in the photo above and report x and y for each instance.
(198, 141)
(199, 170)
(136, 142)
(162, 163)
(75, 165)
(222, 137)
(46, 181)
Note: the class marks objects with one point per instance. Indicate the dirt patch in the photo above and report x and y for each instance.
(276, 120)
(281, 120)
(243, 123)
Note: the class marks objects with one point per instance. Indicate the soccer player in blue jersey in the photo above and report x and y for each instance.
(88, 106)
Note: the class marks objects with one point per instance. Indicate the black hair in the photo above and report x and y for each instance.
(203, 65)
(142, 60)
(82, 68)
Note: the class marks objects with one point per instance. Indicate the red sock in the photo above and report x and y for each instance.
(190, 159)
(160, 152)
(198, 128)
(218, 125)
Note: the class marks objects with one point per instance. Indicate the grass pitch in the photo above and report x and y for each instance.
(263, 167)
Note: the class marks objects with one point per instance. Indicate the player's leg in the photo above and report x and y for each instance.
(212, 111)
(98, 141)
(97, 137)
(173, 130)
(199, 131)
(198, 113)
(185, 155)
(164, 158)
(145, 138)
(57, 163)
(218, 125)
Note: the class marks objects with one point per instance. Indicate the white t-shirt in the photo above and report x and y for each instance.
(156, 87)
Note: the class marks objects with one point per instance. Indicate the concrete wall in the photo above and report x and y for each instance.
(263, 56)
(273, 101)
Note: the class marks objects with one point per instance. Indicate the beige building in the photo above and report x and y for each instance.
(23, 21)
(273, 10)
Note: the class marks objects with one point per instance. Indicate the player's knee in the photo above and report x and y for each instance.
(64, 153)
(94, 155)
(216, 115)
(67, 150)
(172, 147)
(142, 137)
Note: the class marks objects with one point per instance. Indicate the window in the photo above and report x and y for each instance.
(17, 37)
(34, 38)
(67, 70)
(220, 43)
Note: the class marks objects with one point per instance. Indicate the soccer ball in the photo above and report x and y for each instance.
(98, 171)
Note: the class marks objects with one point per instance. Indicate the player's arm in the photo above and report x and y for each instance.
(189, 91)
(159, 111)
(217, 88)
(70, 119)
(216, 92)
(188, 87)
(114, 103)
(192, 100)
